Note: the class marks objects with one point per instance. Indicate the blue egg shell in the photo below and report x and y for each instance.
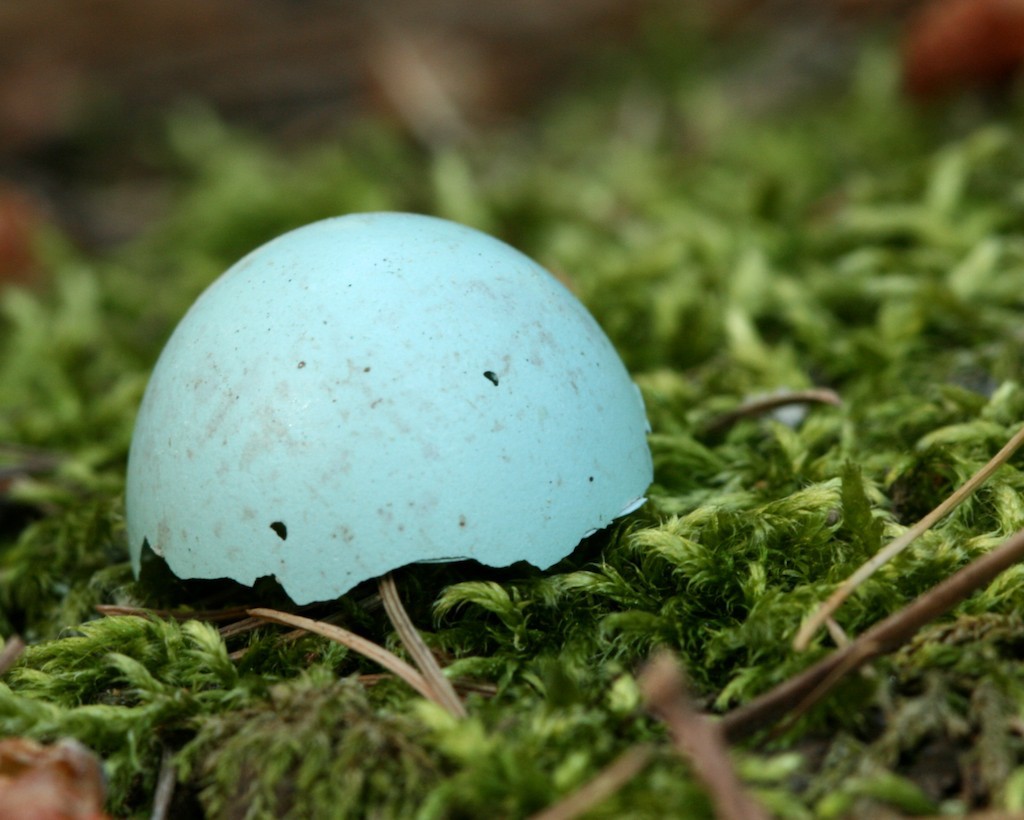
(375, 390)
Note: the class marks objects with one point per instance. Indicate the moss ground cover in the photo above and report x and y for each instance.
(851, 243)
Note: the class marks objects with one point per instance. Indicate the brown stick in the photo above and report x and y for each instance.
(211, 615)
(11, 652)
(165, 782)
(697, 739)
(444, 692)
(758, 407)
(356, 643)
(897, 545)
(883, 637)
(28, 461)
(608, 781)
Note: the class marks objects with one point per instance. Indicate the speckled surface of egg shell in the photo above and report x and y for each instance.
(375, 390)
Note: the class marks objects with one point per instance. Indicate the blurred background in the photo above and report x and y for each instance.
(87, 85)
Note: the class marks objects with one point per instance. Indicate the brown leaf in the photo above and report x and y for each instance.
(61, 781)
(21, 216)
(956, 44)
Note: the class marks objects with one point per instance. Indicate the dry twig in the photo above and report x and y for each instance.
(697, 739)
(765, 404)
(165, 783)
(27, 461)
(608, 781)
(444, 692)
(895, 547)
(11, 652)
(211, 615)
(356, 643)
(808, 687)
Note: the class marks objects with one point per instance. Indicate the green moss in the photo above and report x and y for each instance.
(852, 243)
(315, 747)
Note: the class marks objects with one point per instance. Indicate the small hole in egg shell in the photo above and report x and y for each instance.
(280, 529)
(491, 376)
